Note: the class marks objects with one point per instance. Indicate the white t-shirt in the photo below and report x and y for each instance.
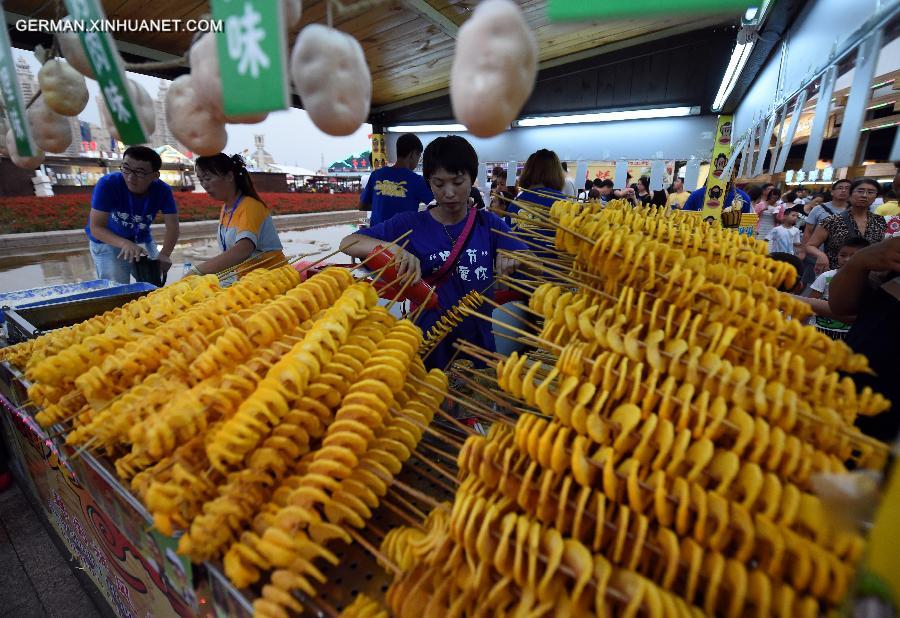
(569, 187)
(782, 239)
(820, 285)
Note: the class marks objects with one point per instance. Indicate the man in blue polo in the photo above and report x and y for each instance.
(395, 189)
(123, 206)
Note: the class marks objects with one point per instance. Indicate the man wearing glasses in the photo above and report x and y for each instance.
(123, 206)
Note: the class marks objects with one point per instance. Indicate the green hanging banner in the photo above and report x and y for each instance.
(252, 56)
(579, 10)
(101, 53)
(12, 95)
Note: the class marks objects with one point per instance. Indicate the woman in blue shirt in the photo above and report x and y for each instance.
(542, 181)
(450, 166)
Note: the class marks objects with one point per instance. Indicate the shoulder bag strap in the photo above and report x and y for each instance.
(438, 277)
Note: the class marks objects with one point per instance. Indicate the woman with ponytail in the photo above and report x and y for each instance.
(246, 228)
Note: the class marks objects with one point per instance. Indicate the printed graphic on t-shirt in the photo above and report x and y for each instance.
(389, 188)
(130, 221)
(821, 321)
(473, 264)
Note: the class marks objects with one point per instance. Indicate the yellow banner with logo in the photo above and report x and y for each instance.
(379, 156)
(716, 182)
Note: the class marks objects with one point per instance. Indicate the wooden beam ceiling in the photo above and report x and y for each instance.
(409, 44)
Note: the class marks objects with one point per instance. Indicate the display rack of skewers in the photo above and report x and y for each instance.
(266, 423)
(650, 452)
(654, 454)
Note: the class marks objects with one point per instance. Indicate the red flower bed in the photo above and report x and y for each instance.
(68, 212)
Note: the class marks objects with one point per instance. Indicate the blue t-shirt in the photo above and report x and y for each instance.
(431, 243)
(544, 198)
(130, 215)
(392, 190)
(695, 201)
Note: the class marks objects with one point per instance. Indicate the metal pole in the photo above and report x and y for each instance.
(845, 153)
(820, 119)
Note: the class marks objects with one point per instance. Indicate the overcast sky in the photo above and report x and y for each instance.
(291, 137)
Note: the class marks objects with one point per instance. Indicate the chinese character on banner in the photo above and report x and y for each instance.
(116, 103)
(244, 35)
(252, 53)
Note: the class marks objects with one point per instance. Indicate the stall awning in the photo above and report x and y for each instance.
(409, 44)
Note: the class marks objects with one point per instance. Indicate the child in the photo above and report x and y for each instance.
(832, 325)
(786, 238)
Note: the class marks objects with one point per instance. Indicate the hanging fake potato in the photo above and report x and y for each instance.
(71, 48)
(192, 122)
(143, 105)
(208, 82)
(28, 163)
(63, 88)
(51, 131)
(329, 70)
(293, 9)
(494, 68)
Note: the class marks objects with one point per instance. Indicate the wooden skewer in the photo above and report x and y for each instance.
(325, 257)
(373, 550)
(393, 243)
(451, 457)
(463, 402)
(439, 470)
(424, 306)
(498, 399)
(395, 485)
(508, 312)
(391, 262)
(83, 448)
(519, 340)
(513, 236)
(409, 279)
(443, 436)
(403, 515)
(415, 493)
(378, 532)
(504, 402)
(321, 606)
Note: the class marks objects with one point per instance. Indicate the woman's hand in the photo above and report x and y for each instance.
(504, 265)
(408, 264)
(131, 252)
(822, 263)
(165, 262)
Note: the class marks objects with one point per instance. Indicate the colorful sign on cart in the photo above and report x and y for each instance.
(104, 58)
(12, 94)
(138, 573)
(252, 56)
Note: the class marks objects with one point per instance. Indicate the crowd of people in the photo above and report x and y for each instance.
(847, 270)
(841, 243)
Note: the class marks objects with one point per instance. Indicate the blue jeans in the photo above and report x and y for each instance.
(504, 345)
(109, 266)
